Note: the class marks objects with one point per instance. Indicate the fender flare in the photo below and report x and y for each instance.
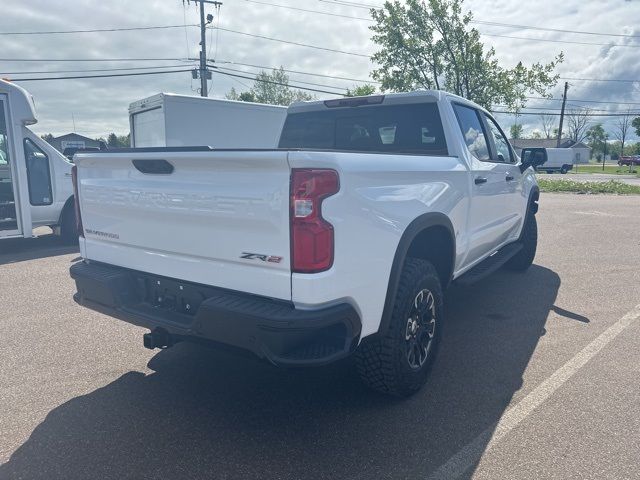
(421, 223)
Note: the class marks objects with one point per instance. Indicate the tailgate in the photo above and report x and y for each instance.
(218, 218)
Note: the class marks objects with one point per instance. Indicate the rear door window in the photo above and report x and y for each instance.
(414, 128)
(472, 131)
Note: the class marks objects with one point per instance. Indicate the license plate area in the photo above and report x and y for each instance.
(171, 295)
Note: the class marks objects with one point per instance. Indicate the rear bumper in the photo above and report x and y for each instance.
(271, 329)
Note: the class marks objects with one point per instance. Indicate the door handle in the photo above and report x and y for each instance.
(480, 180)
(508, 178)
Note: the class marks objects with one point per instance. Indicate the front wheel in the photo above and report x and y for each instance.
(398, 360)
(529, 239)
(563, 170)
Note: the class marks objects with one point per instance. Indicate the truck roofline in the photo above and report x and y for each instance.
(416, 96)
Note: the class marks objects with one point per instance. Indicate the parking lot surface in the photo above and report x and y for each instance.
(538, 377)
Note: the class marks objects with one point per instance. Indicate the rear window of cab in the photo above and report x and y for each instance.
(414, 129)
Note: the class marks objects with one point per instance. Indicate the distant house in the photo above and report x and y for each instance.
(73, 140)
(581, 152)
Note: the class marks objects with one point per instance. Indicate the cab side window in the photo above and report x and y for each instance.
(503, 151)
(38, 174)
(473, 132)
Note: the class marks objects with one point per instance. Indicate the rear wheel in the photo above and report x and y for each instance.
(563, 170)
(529, 238)
(398, 360)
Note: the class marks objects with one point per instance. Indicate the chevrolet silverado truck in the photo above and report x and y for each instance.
(339, 242)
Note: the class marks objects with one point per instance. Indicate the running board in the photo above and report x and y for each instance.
(489, 264)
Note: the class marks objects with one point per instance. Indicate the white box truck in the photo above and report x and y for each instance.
(170, 120)
(558, 160)
(35, 179)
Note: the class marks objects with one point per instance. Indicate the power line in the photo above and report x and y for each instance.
(276, 83)
(27, 72)
(558, 114)
(559, 41)
(297, 81)
(99, 76)
(547, 29)
(263, 67)
(600, 79)
(294, 43)
(102, 30)
(584, 101)
(309, 11)
(501, 24)
(40, 60)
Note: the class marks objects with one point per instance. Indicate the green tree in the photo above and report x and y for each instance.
(361, 90)
(271, 88)
(430, 44)
(47, 137)
(515, 130)
(636, 125)
(117, 141)
(595, 138)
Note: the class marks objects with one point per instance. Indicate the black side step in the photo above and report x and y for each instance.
(489, 264)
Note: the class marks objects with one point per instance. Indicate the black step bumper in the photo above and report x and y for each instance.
(271, 329)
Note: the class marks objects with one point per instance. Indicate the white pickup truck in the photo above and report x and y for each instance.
(339, 242)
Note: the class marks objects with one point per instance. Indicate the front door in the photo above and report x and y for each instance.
(9, 222)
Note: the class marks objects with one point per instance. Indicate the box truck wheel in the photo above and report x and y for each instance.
(68, 228)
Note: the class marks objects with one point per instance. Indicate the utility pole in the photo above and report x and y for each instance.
(564, 101)
(204, 72)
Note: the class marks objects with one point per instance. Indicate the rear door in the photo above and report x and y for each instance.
(9, 221)
(492, 215)
(215, 218)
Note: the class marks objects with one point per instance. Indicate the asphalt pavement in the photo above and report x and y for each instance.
(538, 377)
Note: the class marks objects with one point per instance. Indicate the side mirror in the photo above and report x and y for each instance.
(532, 157)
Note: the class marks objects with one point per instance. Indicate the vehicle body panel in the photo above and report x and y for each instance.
(195, 223)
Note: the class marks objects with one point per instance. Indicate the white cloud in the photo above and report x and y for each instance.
(100, 105)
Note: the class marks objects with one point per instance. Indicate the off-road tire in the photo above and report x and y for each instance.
(529, 238)
(381, 360)
(68, 228)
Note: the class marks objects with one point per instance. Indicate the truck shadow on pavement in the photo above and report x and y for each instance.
(208, 414)
(15, 250)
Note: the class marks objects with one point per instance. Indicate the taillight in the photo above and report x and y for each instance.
(311, 235)
(76, 200)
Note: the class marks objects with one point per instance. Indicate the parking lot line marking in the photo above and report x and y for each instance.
(471, 453)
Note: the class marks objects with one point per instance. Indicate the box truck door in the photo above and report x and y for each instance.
(9, 223)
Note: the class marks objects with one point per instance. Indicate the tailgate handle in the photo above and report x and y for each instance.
(158, 167)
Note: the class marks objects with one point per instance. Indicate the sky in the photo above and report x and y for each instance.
(100, 105)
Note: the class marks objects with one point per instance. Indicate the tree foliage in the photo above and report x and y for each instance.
(361, 90)
(272, 88)
(636, 125)
(430, 44)
(623, 125)
(515, 131)
(117, 141)
(548, 123)
(578, 122)
(47, 137)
